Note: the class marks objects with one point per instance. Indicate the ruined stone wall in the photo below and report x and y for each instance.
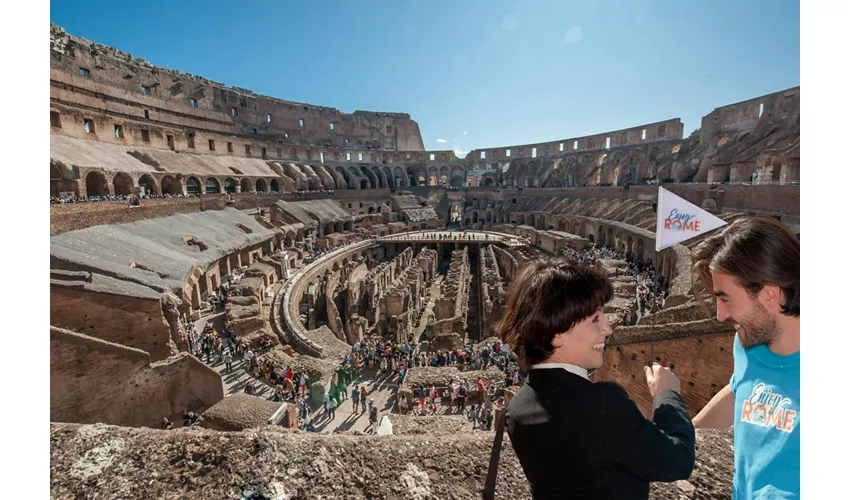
(74, 216)
(508, 265)
(492, 291)
(633, 136)
(703, 364)
(440, 463)
(334, 320)
(744, 115)
(450, 310)
(96, 381)
(126, 86)
(379, 279)
(130, 321)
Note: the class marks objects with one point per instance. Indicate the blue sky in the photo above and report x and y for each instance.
(476, 74)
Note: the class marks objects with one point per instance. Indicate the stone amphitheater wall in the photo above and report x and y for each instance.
(130, 321)
(92, 380)
(701, 376)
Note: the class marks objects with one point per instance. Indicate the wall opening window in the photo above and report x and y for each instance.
(332, 126)
(761, 109)
(359, 156)
(119, 132)
(508, 153)
(268, 118)
(247, 150)
(575, 144)
(662, 129)
(191, 140)
(483, 154)
(279, 153)
(55, 121)
(146, 135)
(643, 135)
(229, 147)
(147, 115)
(561, 147)
(232, 111)
(170, 140)
(534, 152)
(432, 156)
(193, 102)
(89, 126)
(300, 123)
(85, 73)
(607, 143)
(146, 90)
(254, 131)
(212, 145)
(263, 152)
(348, 156)
(321, 157)
(389, 129)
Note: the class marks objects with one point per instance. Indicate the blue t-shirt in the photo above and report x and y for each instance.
(767, 424)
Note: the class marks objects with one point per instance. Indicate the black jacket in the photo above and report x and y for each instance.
(578, 439)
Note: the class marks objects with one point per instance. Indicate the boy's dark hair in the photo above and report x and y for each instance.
(548, 297)
(757, 251)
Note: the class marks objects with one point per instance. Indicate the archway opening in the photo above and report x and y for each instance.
(261, 186)
(275, 187)
(229, 185)
(212, 185)
(148, 184)
(193, 186)
(364, 183)
(488, 181)
(246, 186)
(96, 184)
(170, 185)
(122, 184)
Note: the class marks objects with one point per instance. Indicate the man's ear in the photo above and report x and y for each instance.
(770, 297)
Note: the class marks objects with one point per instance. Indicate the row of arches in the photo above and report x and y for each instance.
(122, 184)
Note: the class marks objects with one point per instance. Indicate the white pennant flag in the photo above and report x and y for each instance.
(680, 220)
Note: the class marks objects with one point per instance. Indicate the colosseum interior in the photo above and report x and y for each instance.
(329, 229)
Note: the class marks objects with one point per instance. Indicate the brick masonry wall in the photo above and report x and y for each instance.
(74, 216)
(124, 320)
(95, 381)
(703, 364)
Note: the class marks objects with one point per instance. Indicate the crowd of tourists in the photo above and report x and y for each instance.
(54, 200)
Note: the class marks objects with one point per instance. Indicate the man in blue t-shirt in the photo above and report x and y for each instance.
(753, 268)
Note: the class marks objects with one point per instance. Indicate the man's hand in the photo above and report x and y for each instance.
(660, 378)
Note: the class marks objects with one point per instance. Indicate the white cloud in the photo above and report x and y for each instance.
(572, 35)
(442, 140)
(464, 132)
(459, 152)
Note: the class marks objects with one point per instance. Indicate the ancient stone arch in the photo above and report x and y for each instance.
(122, 184)
(229, 185)
(193, 186)
(246, 186)
(261, 186)
(170, 185)
(433, 175)
(212, 185)
(274, 186)
(96, 184)
(149, 183)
